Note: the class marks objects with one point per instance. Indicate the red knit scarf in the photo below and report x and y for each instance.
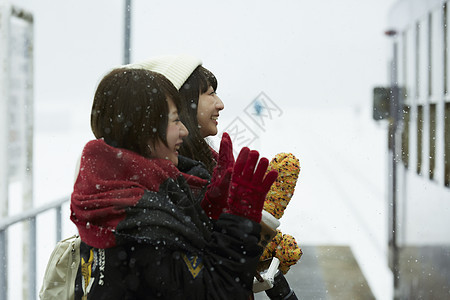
(110, 180)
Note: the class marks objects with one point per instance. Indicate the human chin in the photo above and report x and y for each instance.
(166, 153)
(173, 156)
(209, 130)
(213, 130)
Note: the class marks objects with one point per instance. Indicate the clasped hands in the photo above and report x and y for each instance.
(237, 187)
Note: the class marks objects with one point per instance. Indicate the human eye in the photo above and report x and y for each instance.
(176, 119)
(211, 91)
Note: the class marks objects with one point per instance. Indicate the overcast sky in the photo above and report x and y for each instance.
(300, 53)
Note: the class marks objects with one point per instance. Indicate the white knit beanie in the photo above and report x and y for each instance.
(176, 68)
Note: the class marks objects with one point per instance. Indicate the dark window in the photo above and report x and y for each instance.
(419, 138)
(432, 140)
(447, 144)
(405, 136)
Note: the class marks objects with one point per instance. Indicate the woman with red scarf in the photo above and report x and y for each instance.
(144, 234)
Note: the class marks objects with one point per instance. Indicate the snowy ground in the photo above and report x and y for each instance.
(340, 198)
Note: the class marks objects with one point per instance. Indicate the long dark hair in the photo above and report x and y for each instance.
(130, 109)
(194, 145)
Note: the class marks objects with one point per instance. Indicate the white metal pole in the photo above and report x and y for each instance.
(127, 33)
(4, 91)
(29, 232)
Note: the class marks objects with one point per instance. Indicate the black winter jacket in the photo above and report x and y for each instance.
(162, 245)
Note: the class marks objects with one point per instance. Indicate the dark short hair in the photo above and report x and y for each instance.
(130, 109)
(194, 145)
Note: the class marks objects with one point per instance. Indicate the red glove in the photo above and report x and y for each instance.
(248, 187)
(215, 200)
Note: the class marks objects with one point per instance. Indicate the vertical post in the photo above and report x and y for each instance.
(394, 186)
(396, 108)
(4, 92)
(4, 266)
(58, 223)
(32, 260)
(127, 33)
(29, 133)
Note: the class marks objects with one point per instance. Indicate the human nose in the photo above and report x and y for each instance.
(219, 104)
(183, 130)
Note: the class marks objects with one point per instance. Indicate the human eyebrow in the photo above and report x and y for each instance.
(174, 115)
(211, 91)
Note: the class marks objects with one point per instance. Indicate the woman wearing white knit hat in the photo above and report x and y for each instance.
(201, 107)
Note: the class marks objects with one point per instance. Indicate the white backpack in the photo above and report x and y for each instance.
(61, 271)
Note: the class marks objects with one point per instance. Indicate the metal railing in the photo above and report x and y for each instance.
(30, 217)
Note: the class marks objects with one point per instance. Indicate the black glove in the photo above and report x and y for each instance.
(281, 289)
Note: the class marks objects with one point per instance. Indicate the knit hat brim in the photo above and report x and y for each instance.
(176, 68)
